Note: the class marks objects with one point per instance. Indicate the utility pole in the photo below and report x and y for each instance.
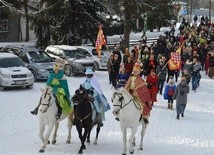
(210, 10)
(137, 20)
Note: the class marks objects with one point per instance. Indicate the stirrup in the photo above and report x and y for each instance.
(57, 116)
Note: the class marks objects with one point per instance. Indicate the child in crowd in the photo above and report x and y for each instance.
(122, 78)
(169, 91)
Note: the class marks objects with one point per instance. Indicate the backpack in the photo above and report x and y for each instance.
(171, 91)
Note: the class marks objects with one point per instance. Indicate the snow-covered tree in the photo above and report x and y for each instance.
(67, 21)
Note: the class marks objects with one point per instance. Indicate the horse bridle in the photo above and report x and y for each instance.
(121, 98)
(49, 101)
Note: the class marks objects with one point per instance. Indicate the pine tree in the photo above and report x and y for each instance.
(69, 23)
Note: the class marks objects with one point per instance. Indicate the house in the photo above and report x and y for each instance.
(13, 22)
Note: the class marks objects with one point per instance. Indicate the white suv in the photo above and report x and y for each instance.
(13, 73)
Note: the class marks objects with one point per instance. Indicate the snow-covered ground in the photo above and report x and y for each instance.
(191, 135)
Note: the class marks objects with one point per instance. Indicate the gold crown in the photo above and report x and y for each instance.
(136, 67)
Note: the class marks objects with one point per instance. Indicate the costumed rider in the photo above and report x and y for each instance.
(137, 87)
(57, 80)
(100, 103)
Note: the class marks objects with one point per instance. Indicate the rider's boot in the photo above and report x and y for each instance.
(35, 111)
(59, 110)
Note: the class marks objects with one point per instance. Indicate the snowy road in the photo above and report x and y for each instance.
(165, 135)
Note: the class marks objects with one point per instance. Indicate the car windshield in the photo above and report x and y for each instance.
(40, 56)
(94, 52)
(10, 62)
(78, 54)
(84, 52)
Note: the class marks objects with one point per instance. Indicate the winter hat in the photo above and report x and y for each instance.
(56, 66)
(89, 71)
(136, 67)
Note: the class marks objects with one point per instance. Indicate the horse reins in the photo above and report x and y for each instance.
(121, 98)
(49, 103)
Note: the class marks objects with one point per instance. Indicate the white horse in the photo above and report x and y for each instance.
(128, 112)
(47, 116)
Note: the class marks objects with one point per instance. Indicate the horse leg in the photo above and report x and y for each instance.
(88, 137)
(47, 135)
(131, 139)
(79, 130)
(144, 126)
(55, 133)
(97, 134)
(134, 143)
(124, 140)
(70, 120)
(41, 131)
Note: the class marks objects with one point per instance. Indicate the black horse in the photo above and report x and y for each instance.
(83, 116)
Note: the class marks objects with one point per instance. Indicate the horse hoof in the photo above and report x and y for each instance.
(131, 152)
(80, 152)
(141, 148)
(124, 154)
(95, 143)
(133, 144)
(53, 142)
(48, 142)
(41, 151)
(84, 147)
(68, 142)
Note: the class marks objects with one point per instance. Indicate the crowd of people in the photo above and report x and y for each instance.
(195, 45)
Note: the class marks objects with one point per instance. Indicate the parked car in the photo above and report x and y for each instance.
(98, 63)
(13, 72)
(36, 60)
(75, 60)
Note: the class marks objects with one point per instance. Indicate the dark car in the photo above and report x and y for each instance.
(75, 60)
(36, 60)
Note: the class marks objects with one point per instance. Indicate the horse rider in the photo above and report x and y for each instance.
(138, 89)
(100, 103)
(57, 80)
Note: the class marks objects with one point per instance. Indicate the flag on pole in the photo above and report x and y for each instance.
(100, 41)
(175, 60)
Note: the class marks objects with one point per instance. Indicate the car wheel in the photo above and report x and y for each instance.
(29, 87)
(68, 70)
(96, 66)
(34, 75)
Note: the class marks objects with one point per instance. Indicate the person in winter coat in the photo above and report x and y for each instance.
(211, 66)
(152, 85)
(129, 66)
(115, 69)
(109, 68)
(187, 75)
(122, 78)
(161, 73)
(195, 73)
(58, 82)
(169, 91)
(187, 65)
(180, 96)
